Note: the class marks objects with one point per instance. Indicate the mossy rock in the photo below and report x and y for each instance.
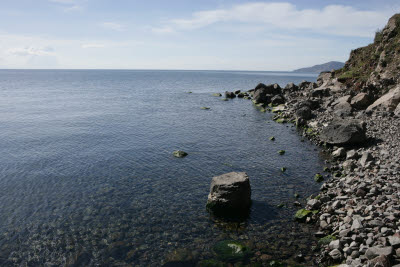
(283, 169)
(326, 240)
(281, 152)
(217, 94)
(327, 169)
(280, 205)
(210, 263)
(179, 154)
(224, 99)
(302, 214)
(337, 174)
(281, 120)
(296, 195)
(189, 92)
(263, 110)
(279, 108)
(231, 251)
(272, 138)
(205, 108)
(318, 178)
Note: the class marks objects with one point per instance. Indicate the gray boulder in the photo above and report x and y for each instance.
(230, 94)
(343, 109)
(304, 113)
(388, 101)
(344, 132)
(373, 252)
(397, 110)
(290, 87)
(277, 100)
(361, 101)
(321, 92)
(230, 195)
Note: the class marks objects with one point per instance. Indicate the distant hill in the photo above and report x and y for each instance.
(332, 65)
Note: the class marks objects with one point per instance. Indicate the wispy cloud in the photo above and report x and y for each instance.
(332, 19)
(93, 45)
(31, 51)
(113, 26)
(163, 30)
(70, 5)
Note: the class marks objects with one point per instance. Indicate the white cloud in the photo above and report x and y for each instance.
(113, 26)
(332, 19)
(163, 30)
(93, 45)
(70, 5)
(31, 51)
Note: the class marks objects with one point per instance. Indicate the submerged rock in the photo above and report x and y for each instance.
(230, 195)
(302, 214)
(231, 251)
(179, 154)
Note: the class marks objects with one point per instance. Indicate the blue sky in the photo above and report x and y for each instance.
(178, 34)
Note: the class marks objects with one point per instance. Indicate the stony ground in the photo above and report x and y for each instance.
(359, 203)
(359, 206)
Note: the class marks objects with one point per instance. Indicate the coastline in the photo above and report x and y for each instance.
(358, 205)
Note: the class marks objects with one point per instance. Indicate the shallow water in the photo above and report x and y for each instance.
(87, 176)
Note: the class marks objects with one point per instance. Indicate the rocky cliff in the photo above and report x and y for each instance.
(376, 65)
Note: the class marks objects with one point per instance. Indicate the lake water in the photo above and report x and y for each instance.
(87, 176)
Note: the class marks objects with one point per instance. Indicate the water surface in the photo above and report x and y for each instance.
(87, 176)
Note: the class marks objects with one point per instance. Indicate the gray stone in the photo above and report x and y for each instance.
(230, 193)
(344, 132)
(335, 244)
(335, 254)
(313, 204)
(378, 251)
(361, 101)
(352, 154)
(388, 101)
(356, 224)
(230, 94)
(304, 113)
(339, 153)
(366, 157)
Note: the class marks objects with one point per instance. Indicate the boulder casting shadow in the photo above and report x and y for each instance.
(230, 196)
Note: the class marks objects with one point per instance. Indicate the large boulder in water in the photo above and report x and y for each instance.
(230, 94)
(263, 93)
(344, 132)
(230, 195)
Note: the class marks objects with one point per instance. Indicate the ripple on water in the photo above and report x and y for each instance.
(87, 176)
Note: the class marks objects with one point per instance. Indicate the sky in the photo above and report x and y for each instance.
(187, 35)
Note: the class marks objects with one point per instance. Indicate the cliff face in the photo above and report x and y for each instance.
(376, 65)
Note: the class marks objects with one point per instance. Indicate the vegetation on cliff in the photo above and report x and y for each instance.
(377, 64)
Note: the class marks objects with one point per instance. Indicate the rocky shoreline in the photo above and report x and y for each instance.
(358, 207)
(354, 114)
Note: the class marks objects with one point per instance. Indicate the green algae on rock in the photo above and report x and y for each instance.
(217, 94)
(302, 214)
(231, 251)
(205, 108)
(318, 178)
(281, 152)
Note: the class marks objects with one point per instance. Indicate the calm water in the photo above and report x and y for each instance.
(87, 176)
